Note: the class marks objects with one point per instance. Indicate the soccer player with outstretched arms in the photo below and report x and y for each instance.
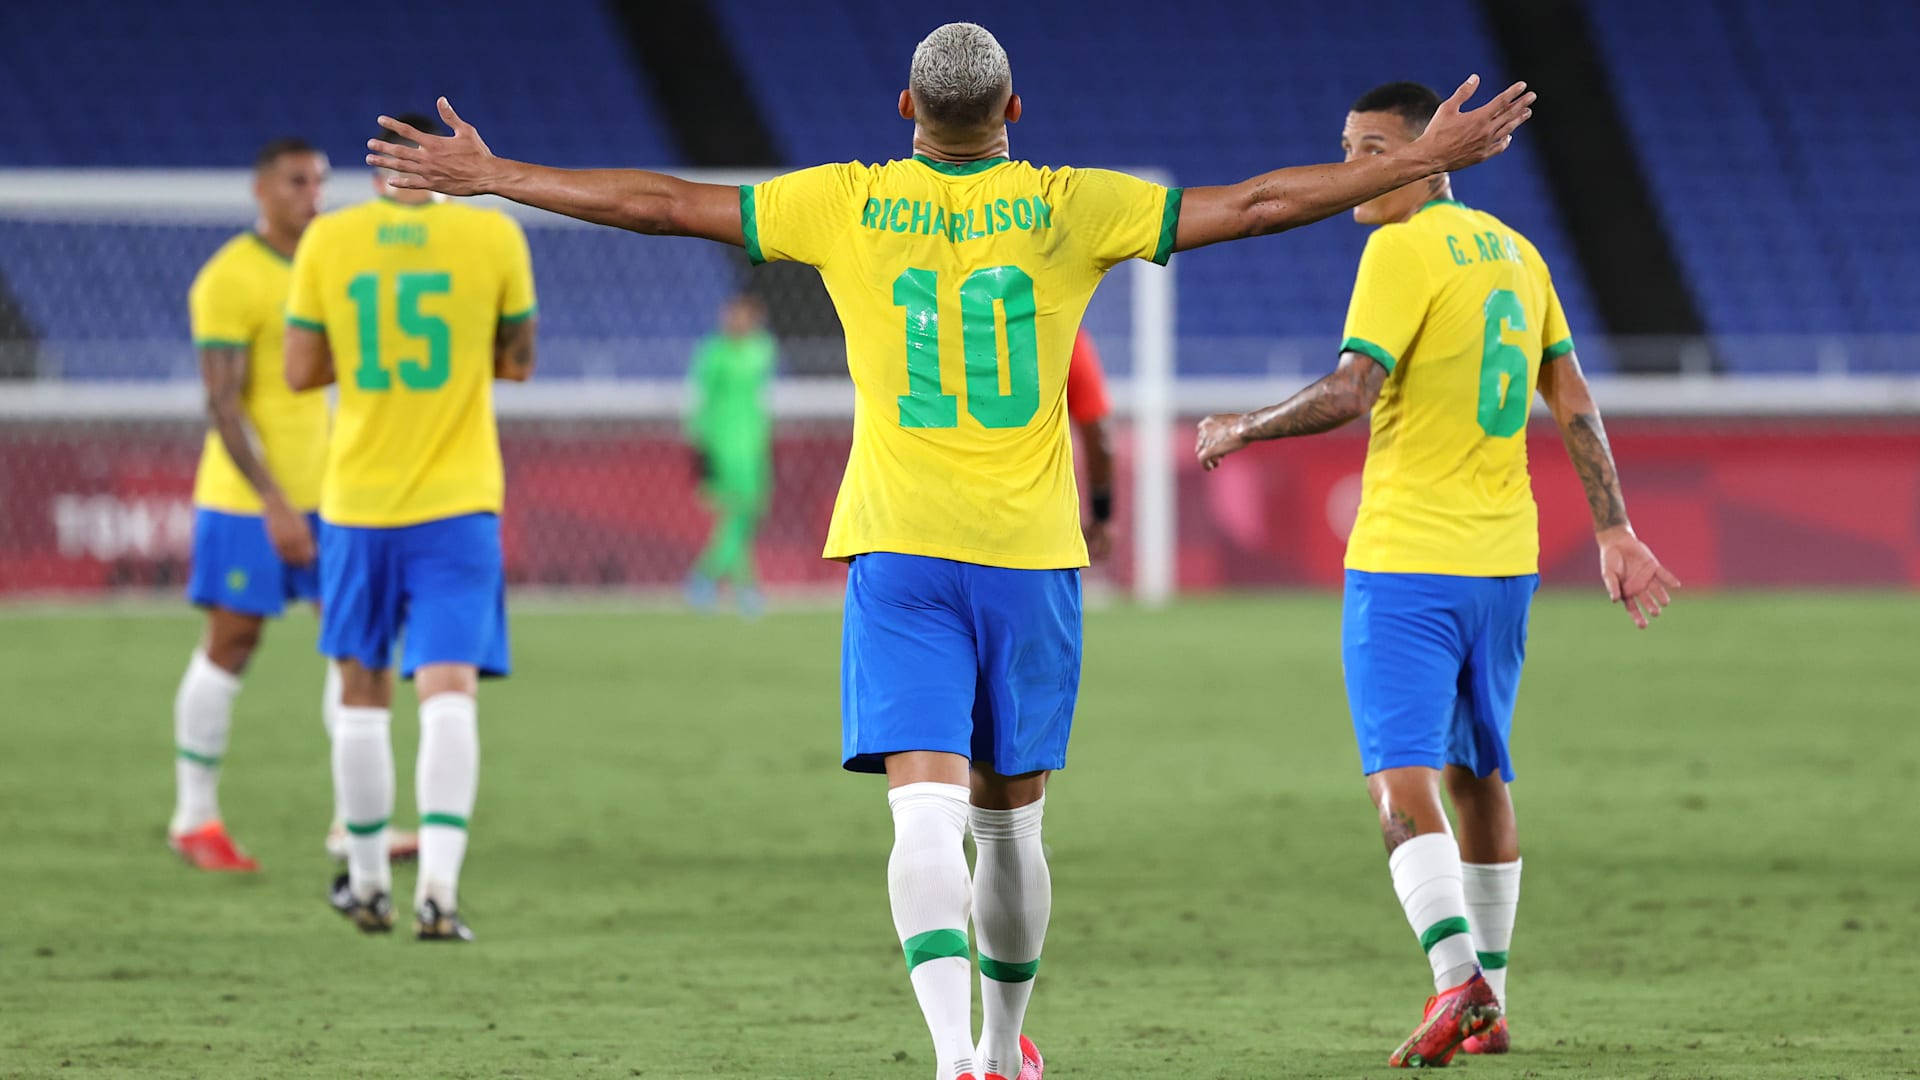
(413, 306)
(959, 514)
(1453, 324)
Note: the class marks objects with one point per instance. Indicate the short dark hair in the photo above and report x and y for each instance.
(419, 121)
(278, 148)
(1411, 101)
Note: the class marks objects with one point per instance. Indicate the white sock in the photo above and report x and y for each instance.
(445, 776)
(202, 715)
(330, 713)
(1012, 898)
(1426, 875)
(363, 790)
(1493, 896)
(927, 882)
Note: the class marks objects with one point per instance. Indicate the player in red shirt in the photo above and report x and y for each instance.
(1087, 407)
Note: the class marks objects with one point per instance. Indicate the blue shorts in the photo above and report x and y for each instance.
(443, 582)
(980, 661)
(236, 568)
(1433, 667)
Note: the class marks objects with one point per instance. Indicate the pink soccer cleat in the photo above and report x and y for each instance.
(1452, 1017)
(1031, 1063)
(210, 848)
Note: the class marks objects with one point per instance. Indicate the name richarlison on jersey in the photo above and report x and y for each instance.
(974, 223)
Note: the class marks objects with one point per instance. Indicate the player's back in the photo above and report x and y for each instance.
(411, 297)
(960, 287)
(1462, 309)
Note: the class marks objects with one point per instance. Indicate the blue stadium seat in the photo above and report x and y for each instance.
(1251, 86)
(106, 83)
(1780, 151)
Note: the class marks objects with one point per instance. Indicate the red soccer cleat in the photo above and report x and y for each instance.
(1453, 1016)
(1030, 1062)
(1491, 1041)
(210, 848)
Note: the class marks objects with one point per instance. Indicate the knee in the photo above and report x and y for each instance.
(434, 679)
(231, 642)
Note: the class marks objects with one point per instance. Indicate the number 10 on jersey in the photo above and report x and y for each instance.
(924, 405)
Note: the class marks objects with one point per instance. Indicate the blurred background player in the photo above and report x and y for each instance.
(1088, 408)
(256, 491)
(421, 304)
(1453, 322)
(731, 433)
(962, 634)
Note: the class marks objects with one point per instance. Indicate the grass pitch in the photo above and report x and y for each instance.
(672, 878)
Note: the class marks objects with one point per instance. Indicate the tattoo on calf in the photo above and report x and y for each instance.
(1396, 826)
(1593, 460)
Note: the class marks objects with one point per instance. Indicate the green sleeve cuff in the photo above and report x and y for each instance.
(218, 343)
(1558, 349)
(1169, 225)
(1362, 345)
(750, 226)
(521, 316)
(306, 324)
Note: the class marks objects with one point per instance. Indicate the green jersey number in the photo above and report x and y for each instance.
(924, 406)
(408, 288)
(1504, 399)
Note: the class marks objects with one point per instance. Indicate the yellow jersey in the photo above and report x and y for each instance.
(1460, 310)
(960, 288)
(235, 303)
(410, 298)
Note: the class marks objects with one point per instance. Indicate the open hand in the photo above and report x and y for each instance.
(1634, 576)
(1219, 435)
(457, 164)
(1458, 139)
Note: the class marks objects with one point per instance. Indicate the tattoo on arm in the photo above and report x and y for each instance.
(1342, 396)
(224, 371)
(1396, 827)
(1586, 441)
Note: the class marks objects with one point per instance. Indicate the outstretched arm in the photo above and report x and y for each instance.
(1288, 198)
(1346, 394)
(634, 199)
(1632, 573)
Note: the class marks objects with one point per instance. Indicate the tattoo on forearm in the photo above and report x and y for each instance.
(1330, 402)
(224, 371)
(1396, 826)
(1592, 458)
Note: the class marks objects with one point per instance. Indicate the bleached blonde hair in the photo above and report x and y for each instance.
(959, 74)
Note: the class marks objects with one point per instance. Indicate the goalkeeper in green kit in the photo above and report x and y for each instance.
(730, 431)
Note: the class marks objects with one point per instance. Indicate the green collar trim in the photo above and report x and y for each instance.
(1442, 202)
(391, 201)
(270, 249)
(959, 168)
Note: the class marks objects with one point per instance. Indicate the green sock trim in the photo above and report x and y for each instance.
(934, 945)
(369, 828)
(1441, 931)
(453, 820)
(1493, 961)
(1000, 971)
(211, 761)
